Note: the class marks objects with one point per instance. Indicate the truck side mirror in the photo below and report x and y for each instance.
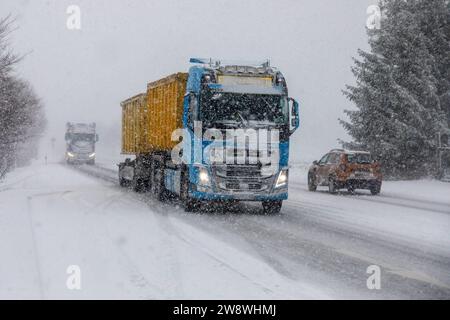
(67, 136)
(315, 162)
(294, 116)
(96, 137)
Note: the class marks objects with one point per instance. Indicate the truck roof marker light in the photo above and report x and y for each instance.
(198, 60)
(217, 63)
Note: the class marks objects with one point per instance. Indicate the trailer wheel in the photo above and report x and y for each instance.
(138, 185)
(157, 180)
(124, 182)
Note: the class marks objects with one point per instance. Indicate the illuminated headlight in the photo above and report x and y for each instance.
(92, 155)
(282, 179)
(70, 154)
(203, 176)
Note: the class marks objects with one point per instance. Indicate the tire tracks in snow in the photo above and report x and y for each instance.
(35, 246)
(163, 218)
(308, 252)
(393, 200)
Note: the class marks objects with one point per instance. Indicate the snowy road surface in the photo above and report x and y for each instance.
(130, 246)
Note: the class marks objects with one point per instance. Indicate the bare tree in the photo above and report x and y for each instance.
(22, 118)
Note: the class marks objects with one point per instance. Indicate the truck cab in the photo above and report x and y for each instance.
(220, 132)
(80, 143)
(239, 120)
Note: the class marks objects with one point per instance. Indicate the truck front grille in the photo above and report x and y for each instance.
(236, 171)
(243, 178)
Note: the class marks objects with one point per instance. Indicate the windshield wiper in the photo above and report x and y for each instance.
(225, 123)
(243, 121)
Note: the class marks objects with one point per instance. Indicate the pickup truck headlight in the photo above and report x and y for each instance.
(70, 154)
(92, 155)
(282, 179)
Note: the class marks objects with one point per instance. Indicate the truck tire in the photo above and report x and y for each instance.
(138, 185)
(124, 182)
(272, 207)
(189, 204)
(375, 189)
(157, 179)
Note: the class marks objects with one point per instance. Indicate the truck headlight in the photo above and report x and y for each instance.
(70, 154)
(203, 176)
(282, 179)
(92, 155)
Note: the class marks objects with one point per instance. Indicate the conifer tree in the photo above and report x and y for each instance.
(401, 87)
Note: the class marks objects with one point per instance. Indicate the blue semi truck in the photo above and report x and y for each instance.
(220, 132)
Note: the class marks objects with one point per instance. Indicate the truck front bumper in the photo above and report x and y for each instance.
(239, 196)
(249, 186)
(80, 158)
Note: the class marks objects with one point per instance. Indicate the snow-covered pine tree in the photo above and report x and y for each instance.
(434, 19)
(398, 108)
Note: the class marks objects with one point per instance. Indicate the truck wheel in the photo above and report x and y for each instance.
(375, 189)
(332, 188)
(312, 186)
(189, 204)
(124, 182)
(272, 207)
(157, 180)
(138, 185)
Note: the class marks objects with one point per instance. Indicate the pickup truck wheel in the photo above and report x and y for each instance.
(332, 188)
(272, 207)
(312, 186)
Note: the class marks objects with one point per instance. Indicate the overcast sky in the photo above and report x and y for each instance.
(83, 75)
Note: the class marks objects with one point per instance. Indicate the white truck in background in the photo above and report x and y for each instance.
(80, 143)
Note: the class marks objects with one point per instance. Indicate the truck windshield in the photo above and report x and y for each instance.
(83, 137)
(243, 110)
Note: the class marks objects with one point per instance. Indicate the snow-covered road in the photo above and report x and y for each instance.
(130, 246)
